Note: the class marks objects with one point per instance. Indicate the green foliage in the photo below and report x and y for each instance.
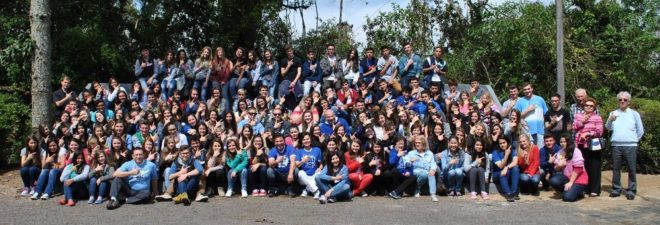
(14, 127)
(329, 32)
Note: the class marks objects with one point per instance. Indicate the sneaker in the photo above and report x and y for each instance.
(25, 192)
(62, 201)
(262, 193)
(112, 204)
(484, 195)
(99, 200)
(271, 193)
(434, 198)
(291, 194)
(510, 198)
(452, 193)
(322, 199)
(364, 194)
(91, 200)
(536, 193)
(71, 203)
(332, 200)
(221, 192)
(201, 198)
(255, 193)
(417, 195)
(630, 196)
(164, 197)
(35, 196)
(458, 194)
(45, 197)
(317, 194)
(473, 195)
(304, 193)
(178, 199)
(614, 195)
(228, 193)
(184, 199)
(516, 197)
(244, 193)
(32, 190)
(394, 195)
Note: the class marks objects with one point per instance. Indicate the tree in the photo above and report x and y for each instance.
(40, 22)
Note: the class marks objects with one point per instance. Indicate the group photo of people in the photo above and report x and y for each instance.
(342, 126)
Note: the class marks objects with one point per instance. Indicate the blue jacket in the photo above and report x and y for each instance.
(312, 75)
(400, 163)
(326, 128)
(414, 69)
(544, 156)
(343, 172)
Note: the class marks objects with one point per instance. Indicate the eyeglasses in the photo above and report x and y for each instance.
(623, 100)
(277, 114)
(590, 106)
(252, 113)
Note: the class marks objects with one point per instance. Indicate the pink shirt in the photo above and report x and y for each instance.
(593, 126)
(575, 164)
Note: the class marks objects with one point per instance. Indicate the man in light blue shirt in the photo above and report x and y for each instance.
(410, 64)
(532, 108)
(627, 129)
(136, 179)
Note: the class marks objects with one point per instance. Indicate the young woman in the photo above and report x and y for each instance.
(169, 71)
(205, 136)
(245, 139)
(308, 161)
(354, 159)
(515, 127)
(528, 162)
(437, 139)
(258, 166)
(118, 152)
(454, 163)
(74, 177)
(588, 126)
(192, 105)
(221, 68)
(464, 103)
(202, 71)
(270, 72)
(215, 169)
(253, 70)
(305, 105)
(376, 163)
(424, 166)
(333, 180)
(402, 173)
(351, 66)
(150, 152)
(506, 172)
(52, 164)
(30, 165)
(236, 162)
(479, 169)
(294, 136)
(307, 122)
(229, 124)
(239, 76)
(573, 178)
(100, 177)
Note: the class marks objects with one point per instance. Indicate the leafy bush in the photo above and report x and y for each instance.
(14, 127)
(648, 156)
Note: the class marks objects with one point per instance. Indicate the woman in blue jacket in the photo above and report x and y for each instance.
(454, 164)
(333, 181)
(424, 166)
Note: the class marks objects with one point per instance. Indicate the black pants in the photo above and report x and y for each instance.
(120, 187)
(402, 183)
(593, 161)
(381, 183)
(216, 179)
(279, 181)
(477, 174)
(258, 178)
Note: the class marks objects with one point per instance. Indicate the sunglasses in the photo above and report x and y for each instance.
(591, 106)
(623, 100)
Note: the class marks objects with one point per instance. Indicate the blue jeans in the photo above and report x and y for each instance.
(576, 192)
(405, 81)
(167, 89)
(529, 183)
(307, 86)
(102, 187)
(198, 84)
(166, 175)
(76, 188)
(188, 186)
(29, 175)
(508, 182)
(233, 87)
(341, 191)
(225, 94)
(423, 178)
(629, 154)
(277, 180)
(454, 179)
(143, 83)
(232, 180)
(48, 177)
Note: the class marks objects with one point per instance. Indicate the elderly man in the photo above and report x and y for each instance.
(627, 129)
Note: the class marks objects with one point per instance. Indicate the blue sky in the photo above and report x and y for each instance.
(355, 13)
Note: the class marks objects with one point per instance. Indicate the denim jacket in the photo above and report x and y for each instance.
(423, 161)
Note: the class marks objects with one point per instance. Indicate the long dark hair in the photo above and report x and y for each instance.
(474, 154)
(232, 155)
(570, 147)
(330, 166)
(80, 167)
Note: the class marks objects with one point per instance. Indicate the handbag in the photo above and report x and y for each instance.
(596, 144)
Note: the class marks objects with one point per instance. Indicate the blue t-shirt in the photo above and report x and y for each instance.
(534, 119)
(282, 167)
(142, 181)
(498, 156)
(313, 162)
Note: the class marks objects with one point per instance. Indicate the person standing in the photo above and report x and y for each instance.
(409, 64)
(557, 119)
(435, 69)
(533, 108)
(588, 126)
(627, 129)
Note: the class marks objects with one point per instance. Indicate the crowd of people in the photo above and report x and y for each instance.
(333, 128)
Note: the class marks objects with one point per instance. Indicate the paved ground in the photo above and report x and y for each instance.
(372, 210)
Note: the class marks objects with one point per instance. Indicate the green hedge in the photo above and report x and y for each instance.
(648, 157)
(14, 127)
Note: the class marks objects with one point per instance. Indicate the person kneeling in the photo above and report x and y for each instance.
(136, 180)
(572, 181)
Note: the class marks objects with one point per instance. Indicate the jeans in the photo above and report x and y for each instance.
(232, 180)
(593, 163)
(143, 83)
(277, 180)
(508, 182)
(477, 173)
(199, 86)
(29, 175)
(308, 181)
(166, 175)
(189, 186)
(258, 178)
(233, 87)
(307, 86)
(576, 192)
(48, 177)
(225, 94)
(120, 185)
(341, 191)
(76, 188)
(405, 81)
(167, 88)
(454, 179)
(629, 154)
(422, 178)
(101, 188)
(529, 183)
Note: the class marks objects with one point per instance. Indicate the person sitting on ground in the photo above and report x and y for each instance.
(137, 180)
(74, 177)
(100, 177)
(333, 180)
(281, 174)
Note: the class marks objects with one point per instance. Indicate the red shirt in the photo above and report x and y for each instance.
(343, 96)
(351, 163)
(531, 168)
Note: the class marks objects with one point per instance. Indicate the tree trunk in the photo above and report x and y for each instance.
(302, 18)
(316, 5)
(341, 9)
(40, 25)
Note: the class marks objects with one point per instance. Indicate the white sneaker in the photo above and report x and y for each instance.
(33, 190)
(35, 196)
(228, 193)
(45, 197)
(317, 194)
(434, 198)
(244, 194)
(417, 195)
(304, 193)
(25, 192)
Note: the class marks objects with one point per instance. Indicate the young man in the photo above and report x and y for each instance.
(434, 69)
(557, 119)
(330, 65)
(136, 179)
(281, 171)
(146, 70)
(409, 64)
(384, 94)
(62, 96)
(387, 67)
(257, 127)
(549, 148)
(368, 68)
(291, 70)
(312, 74)
(513, 101)
(627, 129)
(475, 90)
(532, 108)
(184, 176)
